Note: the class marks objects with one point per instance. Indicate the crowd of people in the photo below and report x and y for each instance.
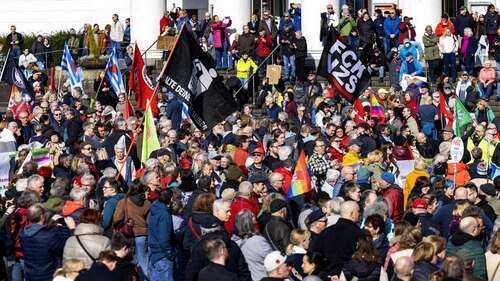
(80, 202)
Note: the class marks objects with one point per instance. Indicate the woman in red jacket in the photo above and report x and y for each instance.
(264, 45)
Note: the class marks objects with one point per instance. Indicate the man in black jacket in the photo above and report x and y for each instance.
(463, 20)
(102, 269)
(277, 230)
(217, 254)
(338, 242)
(328, 20)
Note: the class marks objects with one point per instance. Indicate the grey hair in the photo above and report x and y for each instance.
(312, 278)
(336, 203)
(88, 178)
(347, 208)
(350, 122)
(37, 110)
(58, 188)
(147, 177)
(151, 163)
(245, 188)
(77, 194)
(120, 122)
(21, 185)
(218, 204)
(377, 208)
(34, 178)
(131, 120)
(243, 224)
(27, 199)
(82, 169)
(35, 212)
(109, 172)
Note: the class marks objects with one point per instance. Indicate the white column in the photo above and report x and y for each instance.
(145, 24)
(311, 21)
(423, 12)
(239, 11)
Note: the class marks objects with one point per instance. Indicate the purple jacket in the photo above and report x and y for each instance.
(219, 32)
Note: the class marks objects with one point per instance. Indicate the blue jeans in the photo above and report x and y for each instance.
(380, 70)
(243, 81)
(141, 255)
(389, 44)
(117, 46)
(162, 270)
(17, 273)
(487, 90)
(450, 65)
(288, 66)
(15, 52)
(429, 130)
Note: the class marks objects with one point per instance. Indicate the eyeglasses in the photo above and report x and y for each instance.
(256, 154)
(57, 114)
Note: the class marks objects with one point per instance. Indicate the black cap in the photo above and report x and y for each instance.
(488, 189)
(209, 222)
(277, 205)
(161, 152)
(314, 216)
(363, 125)
(257, 178)
(355, 142)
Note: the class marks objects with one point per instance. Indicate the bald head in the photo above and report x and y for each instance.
(245, 188)
(469, 225)
(404, 267)
(349, 210)
(460, 193)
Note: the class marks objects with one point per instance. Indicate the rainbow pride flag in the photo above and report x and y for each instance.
(376, 109)
(41, 157)
(301, 181)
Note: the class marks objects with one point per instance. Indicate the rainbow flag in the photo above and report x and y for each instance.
(376, 109)
(301, 181)
(41, 156)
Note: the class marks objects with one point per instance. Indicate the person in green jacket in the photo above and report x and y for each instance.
(347, 27)
(431, 52)
(464, 243)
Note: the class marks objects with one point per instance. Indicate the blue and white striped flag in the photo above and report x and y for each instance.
(114, 74)
(68, 64)
(185, 111)
(495, 171)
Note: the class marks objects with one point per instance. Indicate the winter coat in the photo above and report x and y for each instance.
(42, 248)
(441, 27)
(405, 69)
(301, 50)
(255, 250)
(160, 233)
(492, 261)
(423, 270)
(277, 233)
(468, 58)
(73, 209)
(214, 271)
(337, 243)
(240, 203)
(411, 178)
(427, 225)
(363, 271)
(109, 211)
(193, 230)
(92, 238)
(54, 204)
(461, 242)
(287, 40)
(98, 271)
(244, 68)
(391, 26)
(273, 31)
(219, 33)
(346, 25)
(463, 21)
(323, 32)
(137, 210)
(246, 43)
(366, 31)
(462, 176)
(37, 49)
(431, 48)
(491, 22)
(264, 48)
(235, 263)
(406, 32)
(395, 196)
(487, 74)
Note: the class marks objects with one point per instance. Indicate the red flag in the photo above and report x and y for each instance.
(445, 111)
(129, 110)
(52, 86)
(359, 112)
(140, 83)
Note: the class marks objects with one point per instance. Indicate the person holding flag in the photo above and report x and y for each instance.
(68, 64)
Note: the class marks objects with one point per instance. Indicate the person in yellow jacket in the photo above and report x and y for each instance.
(353, 157)
(420, 170)
(489, 143)
(244, 68)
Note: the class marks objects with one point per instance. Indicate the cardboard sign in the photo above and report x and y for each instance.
(165, 43)
(273, 74)
(456, 150)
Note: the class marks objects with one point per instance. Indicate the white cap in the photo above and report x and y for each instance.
(273, 260)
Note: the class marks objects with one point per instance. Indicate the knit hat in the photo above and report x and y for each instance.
(388, 177)
(482, 169)
(233, 172)
(273, 260)
(277, 205)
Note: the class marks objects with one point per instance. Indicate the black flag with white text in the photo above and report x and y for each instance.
(343, 68)
(190, 74)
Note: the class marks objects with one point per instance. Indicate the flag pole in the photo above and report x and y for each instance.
(4, 64)
(59, 83)
(126, 157)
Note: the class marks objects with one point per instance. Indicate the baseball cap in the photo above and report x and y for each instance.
(277, 205)
(257, 149)
(315, 216)
(257, 178)
(214, 155)
(273, 260)
(388, 177)
(419, 203)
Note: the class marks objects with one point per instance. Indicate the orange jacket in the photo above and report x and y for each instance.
(487, 74)
(462, 175)
(411, 178)
(441, 27)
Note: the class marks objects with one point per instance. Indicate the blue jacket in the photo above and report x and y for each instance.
(404, 69)
(403, 51)
(109, 210)
(391, 26)
(42, 247)
(174, 112)
(160, 233)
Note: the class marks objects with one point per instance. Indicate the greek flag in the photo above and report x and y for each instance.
(68, 64)
(114, 74)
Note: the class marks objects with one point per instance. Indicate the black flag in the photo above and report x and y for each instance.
(342, 67)
(191, 75)
(13, 75)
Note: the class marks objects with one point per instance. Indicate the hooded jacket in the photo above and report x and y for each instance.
(362, 270)
(73, 209)
(423, 271)
(109, 210)
(461, 242)
(92, 238)
(137, 210)
(42, 248)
